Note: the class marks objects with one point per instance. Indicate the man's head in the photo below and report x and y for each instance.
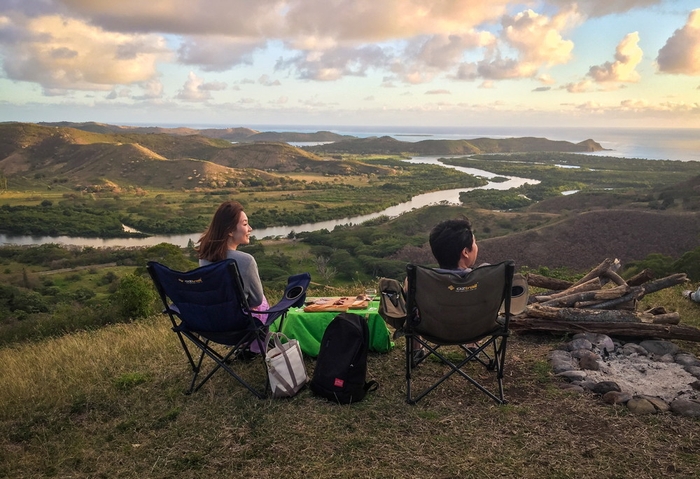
(453, 244)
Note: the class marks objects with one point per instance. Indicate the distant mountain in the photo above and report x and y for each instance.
(230, 134)
(389, 145)
(85, 158)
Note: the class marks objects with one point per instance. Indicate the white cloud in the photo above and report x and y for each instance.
(537, 40)
(599, 8)
(681, 53)
(65, 53)
(334, 64)
(546, 79)
(267, 81)
(627, 57)
(152, 90)
(217, 52)
(195, 90)
(579, 87)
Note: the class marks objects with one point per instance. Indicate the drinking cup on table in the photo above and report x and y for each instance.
(371, 292)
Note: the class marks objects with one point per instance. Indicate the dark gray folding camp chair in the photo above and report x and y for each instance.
(207, 307)
(446, 308)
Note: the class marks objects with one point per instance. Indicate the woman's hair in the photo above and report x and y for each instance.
(448, 239)
(213, 244)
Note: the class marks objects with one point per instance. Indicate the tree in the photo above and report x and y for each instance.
(327, 272)
(135, 297)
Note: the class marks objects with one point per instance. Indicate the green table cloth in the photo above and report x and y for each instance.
(308, 328)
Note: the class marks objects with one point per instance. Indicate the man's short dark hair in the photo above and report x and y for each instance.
(448, 239)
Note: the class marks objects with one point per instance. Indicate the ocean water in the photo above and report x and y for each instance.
(682, 144)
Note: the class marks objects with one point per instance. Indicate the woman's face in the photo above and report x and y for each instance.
(241, 234)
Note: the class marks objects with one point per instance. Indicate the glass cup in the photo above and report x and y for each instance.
(371, 292)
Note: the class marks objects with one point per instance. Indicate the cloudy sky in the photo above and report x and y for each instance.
(626, 63)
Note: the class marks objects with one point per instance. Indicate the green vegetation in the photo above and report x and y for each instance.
(618, 180)
(110, 403)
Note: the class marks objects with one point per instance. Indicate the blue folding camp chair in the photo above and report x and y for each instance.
(207, 306)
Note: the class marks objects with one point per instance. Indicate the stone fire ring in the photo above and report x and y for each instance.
(648, 377)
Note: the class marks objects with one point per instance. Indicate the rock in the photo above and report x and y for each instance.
(667, 358)
(559, 354)
(589, 361)
(588, 384)
(694, 370)
(695, 385)
(581, 343)
(632, 348)
(685, 359)
(659, 347)
(603, 342)
(573, 375)
(561, 365)
(686, 407)
(605, 386)
(659, 404)
(639, 405)
(588, 336)
(616, 397)
(571, 387)
(561, 361)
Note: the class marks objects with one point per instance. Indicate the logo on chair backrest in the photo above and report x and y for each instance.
(463, 289)
(190, 281)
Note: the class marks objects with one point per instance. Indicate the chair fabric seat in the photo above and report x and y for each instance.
(207, 307)
(445, 309)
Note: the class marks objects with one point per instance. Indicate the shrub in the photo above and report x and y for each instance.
(135, 297)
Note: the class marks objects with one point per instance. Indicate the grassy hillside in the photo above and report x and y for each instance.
(110, 403)
(111, 156)
(389, 145)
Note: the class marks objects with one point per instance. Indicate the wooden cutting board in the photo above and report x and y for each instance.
(337, 304)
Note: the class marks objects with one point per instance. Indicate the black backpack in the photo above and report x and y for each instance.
(341, 368)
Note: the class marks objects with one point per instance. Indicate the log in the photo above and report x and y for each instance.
(667, 282)
(641, 277)
(634, 294)
(581, 315)
(539, 281)
(630, 306)
(598, 270)
(614, 277)
(587, 286)
(667, 318)
(599, 294)
(632, 330)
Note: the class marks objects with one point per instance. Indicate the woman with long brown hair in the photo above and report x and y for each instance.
(227, 231)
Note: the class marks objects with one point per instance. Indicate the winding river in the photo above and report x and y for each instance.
(418, 201)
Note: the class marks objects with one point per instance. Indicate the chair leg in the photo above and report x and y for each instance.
(221, 363)
(496, 363)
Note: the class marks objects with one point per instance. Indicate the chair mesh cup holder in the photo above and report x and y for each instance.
(294, 292)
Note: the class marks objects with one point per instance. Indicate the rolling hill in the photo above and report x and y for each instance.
(389, 145)
(92, 158)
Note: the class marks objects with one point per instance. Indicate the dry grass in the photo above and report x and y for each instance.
(109, 404)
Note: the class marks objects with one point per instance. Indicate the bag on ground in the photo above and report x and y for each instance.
(285, 365)
(392, 303)
(341, 368)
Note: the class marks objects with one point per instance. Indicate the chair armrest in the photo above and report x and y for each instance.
(294, 296)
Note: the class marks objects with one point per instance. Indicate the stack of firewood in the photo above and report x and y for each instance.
(602, 302)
